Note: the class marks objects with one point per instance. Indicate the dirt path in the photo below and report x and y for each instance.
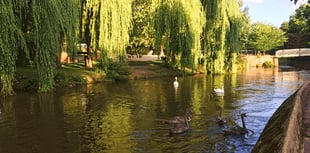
(150, 70)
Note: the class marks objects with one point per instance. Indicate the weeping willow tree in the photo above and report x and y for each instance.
(53, 24)
(37, 29)
(10, 41)
(221, 35)
(108, 23)
(178, 25)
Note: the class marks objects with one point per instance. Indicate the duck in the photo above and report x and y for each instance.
(237, 130)
(179, 128)
(219, 90)
(180, 119)
(175, 82)
(220, 120)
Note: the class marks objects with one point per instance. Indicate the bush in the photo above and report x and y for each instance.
(60, 79)
(268, 64)
(79, 80)
(117, 72)
(28, 84)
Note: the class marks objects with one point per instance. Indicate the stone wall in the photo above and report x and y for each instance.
(257, 61)
(284, 131)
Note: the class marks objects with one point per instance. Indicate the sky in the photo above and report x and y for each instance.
(273, 12)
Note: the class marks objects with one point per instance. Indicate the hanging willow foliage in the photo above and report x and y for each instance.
(37, 28)
(109, 23)
(233, 43)
(46, 37)
(10, 41)
(70, 11)
(222, 34)
(115, 23)
(178, 25)
(50, 26)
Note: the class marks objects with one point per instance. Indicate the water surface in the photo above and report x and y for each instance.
(128, 116)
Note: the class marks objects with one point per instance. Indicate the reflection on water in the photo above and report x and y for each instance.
(128, 116)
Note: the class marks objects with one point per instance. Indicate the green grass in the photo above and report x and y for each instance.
(76, 73)
(135, 63)
(67, 75)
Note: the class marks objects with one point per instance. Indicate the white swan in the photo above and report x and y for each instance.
(219, 90)
(175, 82)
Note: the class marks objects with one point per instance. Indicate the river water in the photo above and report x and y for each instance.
(127, 117)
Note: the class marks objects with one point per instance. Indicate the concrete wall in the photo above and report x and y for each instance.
(257, 61)
(284, 132)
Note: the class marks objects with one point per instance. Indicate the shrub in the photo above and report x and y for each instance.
(117, 72)
(268, 64)
(79, 80)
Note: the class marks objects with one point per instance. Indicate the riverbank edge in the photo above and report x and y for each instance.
(285, 130)
(71, 75)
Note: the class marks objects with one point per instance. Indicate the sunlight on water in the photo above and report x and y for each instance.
(129, 116)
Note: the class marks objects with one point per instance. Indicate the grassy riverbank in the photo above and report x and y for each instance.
(149, 69)
(70, 75)
(67, 76)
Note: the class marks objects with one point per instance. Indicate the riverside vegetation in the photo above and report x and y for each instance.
(199, 35)
(70, 75)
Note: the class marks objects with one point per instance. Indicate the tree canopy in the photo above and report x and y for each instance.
(300, 21)
(298, 27)
(222, 35)
(265, 37)
(142, 33)
(11, 40)
(178, 25)
(36, 29)
(107, 25)
(34, 33)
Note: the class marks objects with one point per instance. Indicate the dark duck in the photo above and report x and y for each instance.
(179, 128)
(236, 129)
(220, 120)
(180, 119)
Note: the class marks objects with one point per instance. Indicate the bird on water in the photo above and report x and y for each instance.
(237, 130)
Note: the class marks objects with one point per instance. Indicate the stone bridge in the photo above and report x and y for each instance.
(298, 52)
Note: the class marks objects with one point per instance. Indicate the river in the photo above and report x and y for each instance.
(127, 117)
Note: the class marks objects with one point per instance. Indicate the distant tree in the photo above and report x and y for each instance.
(299, 27)
(295, 1)
(142, 34)
(245, 31)
(264, 37)
(284, 26)
(300, 21)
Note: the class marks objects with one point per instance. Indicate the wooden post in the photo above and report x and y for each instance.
(88, 58)
(88, 62)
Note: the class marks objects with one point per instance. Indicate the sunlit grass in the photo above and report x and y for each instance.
(68, 75)
(158, 62)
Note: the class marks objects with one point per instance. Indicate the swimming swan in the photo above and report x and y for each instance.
(175, 82)
(180, 119)
(219, 90)
(180, 128)
(237, 130)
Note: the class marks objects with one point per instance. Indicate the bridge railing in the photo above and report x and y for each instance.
(293, 52)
